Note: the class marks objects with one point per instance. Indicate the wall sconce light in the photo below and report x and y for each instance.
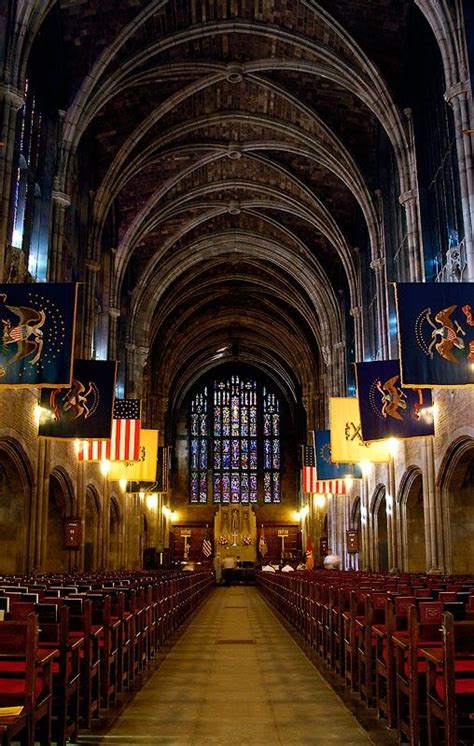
(319, 501)
(123, 484)
(392, 445)
(152, 501)
(366, 468)
(104, 467)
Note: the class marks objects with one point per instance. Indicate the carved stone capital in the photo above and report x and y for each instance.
(458, 90)
(114, 313)
(12, 96)
(92, 265)
(356, 312)
(61, 198)
(130, 347)
(142, 353)
(327, 355)
(407, 197)
(377, 264)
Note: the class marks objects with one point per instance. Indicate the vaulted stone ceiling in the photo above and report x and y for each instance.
(234, 145)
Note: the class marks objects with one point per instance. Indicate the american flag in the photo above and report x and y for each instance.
(124, 443)
(331, 487)
(206, 546)
(309, 469)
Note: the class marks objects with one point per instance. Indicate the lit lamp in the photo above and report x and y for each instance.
(105, 467)
(123, 484)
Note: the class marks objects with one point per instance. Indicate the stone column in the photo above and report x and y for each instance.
(136, 359)
(433, 526)
(43, 503)
(378, 265)
(365, 559)
(11, 100)
(409, 200)
(60, 202)
(391, 517)
(114, 315)
(88, 322)
(130, 365)
(81, 511)
(356, 314)
(459, 99)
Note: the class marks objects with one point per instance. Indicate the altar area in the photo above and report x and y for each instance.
(235, 532)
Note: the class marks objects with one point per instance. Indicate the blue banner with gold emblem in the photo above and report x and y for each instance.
(37, 328)
(436, 333)
(84, 409)
(387, 410)
(325, 469)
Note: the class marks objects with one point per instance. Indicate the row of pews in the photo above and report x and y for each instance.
(404, 643)
(70, 645)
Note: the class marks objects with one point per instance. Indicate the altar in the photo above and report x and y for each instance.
(235, 532)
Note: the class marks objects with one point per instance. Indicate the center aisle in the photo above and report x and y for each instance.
(235, 677)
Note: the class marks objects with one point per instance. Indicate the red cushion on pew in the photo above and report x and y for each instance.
(16, 687)
(464, 666)
(462, 687)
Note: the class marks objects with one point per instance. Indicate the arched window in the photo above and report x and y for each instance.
(240, 425)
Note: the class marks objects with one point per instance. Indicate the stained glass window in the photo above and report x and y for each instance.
(244, 436)
(271, 447)
(198, 448)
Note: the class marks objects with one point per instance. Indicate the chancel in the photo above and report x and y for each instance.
(236, 371)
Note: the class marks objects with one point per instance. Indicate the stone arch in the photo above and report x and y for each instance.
(412, 520)
(378, 519)
(92, 529)
(115, 526)
(16, 482)
(456, 480)
(61, 504)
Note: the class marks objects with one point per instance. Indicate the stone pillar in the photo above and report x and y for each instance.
(136, 359)
(378, 265)
(81, 511)
(130, 365)
(391, 517)
(433, 526)
(458, 98)
(88, 322)
(43, 503)
(11, 100)
(114, 315)
(60, 202)
(365, 558)
(410, 201)
(356, 314)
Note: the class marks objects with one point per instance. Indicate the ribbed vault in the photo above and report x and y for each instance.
(235, 168)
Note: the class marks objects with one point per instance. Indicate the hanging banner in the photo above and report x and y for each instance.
(325, 468)
(436, 333)
(347, 445)
(84, 409)
(143, 470)
(387, 410)
(38, 327)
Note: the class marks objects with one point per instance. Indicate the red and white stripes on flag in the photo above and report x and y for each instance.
(309, 469)
(330, 487)
(124, 443)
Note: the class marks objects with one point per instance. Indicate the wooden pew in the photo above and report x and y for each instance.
(26, 681)
(423, 631)
(450, 684)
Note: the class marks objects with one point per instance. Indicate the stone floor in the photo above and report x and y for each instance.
(235, 677)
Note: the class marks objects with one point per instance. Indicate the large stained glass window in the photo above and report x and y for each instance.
(198, 456)
(240, 421)
(271, 448)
